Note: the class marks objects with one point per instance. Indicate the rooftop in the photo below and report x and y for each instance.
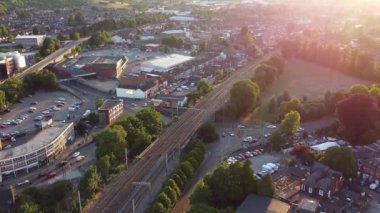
(182, 18)
(173, 31)
(106, 60)
(255, 203)
(30, 36)
(40, 140)
(170, 97)
(324, 146)
(166, 62)
(109, 104)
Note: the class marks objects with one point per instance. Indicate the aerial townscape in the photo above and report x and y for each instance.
(189, 106)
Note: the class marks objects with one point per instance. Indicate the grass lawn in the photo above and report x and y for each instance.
(302, 78)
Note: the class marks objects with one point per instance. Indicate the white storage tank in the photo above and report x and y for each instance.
(20, 61)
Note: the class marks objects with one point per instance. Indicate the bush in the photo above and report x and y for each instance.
(207, 133)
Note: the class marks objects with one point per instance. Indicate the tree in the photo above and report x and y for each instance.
(89, 184)
(93, 118)
(49, 46)
(29, 207)
(291, 123)
(151, 120)
(104, 166)
(203, 46)
(201, 194)
(244, 96)
(3, 101)
(357, 114)
(165, 200)
(158, 207)
(276, 141)
(265, 186)
(42, 79)
(13, 89)
(203, 87)
(359, 89)
(35, 31)
(187, 169)
(99, 103)
(171, 193)
(202, 208)
(75, 36)
(272, 105)
(172, 184)
(112, 141)
(137, 137)
(230, 184)
(207, 133)
(292, 105)
(100, 38)
(340, 159)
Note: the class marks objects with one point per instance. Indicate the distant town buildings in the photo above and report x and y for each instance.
(165, 63)
(140, 86)
(10, 62)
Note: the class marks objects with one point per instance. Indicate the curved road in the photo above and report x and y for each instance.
(117, 193)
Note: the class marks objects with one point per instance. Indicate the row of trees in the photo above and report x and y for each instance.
(353, 61)
(14, 89)
(5, 33)
(134, 133)
(227, 186)
(269, 71)
(179, 179)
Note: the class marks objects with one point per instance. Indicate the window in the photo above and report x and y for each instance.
(310, 190)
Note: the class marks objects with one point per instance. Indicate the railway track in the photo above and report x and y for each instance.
(177, 135)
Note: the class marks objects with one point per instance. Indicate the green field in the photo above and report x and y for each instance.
(301, 78)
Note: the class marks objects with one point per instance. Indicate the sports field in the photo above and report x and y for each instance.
(302, 78)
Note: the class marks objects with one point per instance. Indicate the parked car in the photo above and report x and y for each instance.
(2, 126)
(51, 175)
(34, 103)
(80, 158)
(25, 182)
(76, 154)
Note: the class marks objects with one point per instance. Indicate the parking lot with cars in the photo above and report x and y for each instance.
(24, 118)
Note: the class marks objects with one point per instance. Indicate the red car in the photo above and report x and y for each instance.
(51, 175)
(2, 126)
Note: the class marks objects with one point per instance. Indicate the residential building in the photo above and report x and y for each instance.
(256, 203)
(107, 67)
(47, 144)
(30, 40)
(371, 169)
(322, 181)
(138, 86)
(183, 19)
(110, 111)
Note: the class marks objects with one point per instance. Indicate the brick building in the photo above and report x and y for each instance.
(110, 111)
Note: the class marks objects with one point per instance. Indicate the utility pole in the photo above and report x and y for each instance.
(126, 157)
(166, 162)
(80, 204)
(133, 206)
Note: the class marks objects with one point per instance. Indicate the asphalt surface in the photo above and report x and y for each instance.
(116, 194)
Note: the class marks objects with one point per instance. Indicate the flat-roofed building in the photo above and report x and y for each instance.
(107, 67)
(176, 33)
(110, 111)
(42, 147)
(165, 63)
(30, 40)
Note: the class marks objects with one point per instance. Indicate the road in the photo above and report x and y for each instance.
(50, 58)
(116, 194)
